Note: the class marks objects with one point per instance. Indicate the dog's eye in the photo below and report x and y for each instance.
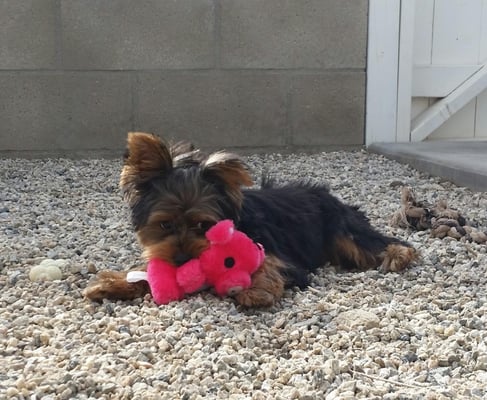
(203, 226)
(166, 225)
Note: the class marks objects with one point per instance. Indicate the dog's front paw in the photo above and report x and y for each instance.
(267, 285)
(113, 285)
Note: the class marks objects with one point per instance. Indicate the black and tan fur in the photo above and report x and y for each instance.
(176, 193)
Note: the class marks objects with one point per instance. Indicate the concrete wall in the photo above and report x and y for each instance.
(76, 75)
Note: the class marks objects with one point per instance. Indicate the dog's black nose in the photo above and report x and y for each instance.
(181, 258)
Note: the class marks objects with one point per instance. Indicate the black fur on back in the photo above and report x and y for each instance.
(300, 222)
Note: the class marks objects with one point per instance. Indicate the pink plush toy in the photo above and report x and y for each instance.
(227, 265)
(230, 260)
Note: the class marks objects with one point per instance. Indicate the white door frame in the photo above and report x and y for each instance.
(389, 71)
(382, 70)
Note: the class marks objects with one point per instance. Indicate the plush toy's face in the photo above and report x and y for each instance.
(231, 259)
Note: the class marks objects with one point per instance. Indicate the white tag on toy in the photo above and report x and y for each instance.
(136, 276)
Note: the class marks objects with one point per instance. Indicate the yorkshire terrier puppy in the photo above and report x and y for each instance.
(176, 193)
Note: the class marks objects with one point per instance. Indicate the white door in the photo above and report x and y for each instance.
(427, 72)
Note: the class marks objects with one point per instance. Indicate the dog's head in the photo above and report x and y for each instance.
(176, 194)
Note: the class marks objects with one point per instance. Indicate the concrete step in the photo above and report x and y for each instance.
(461, 162)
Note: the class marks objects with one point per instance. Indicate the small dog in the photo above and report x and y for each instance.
(176, 193)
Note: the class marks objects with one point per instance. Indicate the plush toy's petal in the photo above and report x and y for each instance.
(190, 276)
(222, 232)
(162, 281)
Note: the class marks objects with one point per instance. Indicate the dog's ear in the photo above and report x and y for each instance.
(229, 169)
(147, 157)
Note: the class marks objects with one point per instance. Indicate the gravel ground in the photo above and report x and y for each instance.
(421, 334)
